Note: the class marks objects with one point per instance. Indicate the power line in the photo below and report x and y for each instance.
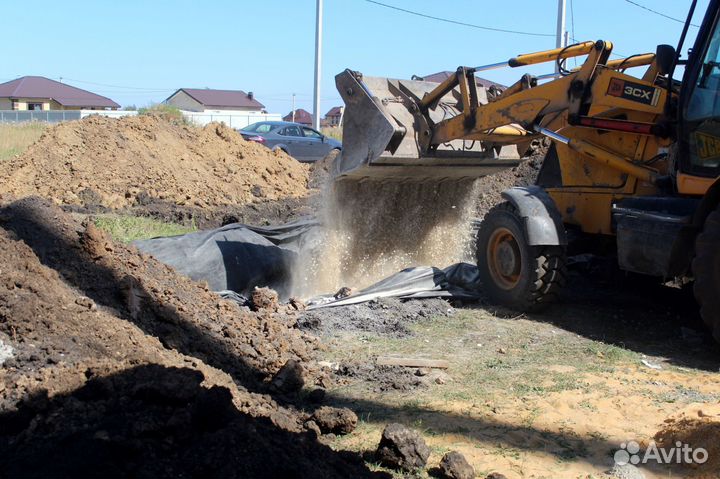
(455, 22)
(631, 2)
(117, 86)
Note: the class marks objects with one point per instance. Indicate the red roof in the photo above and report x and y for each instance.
(440, 77)
(301, 116)
(66, 95)
(334, 111)
(221, 98)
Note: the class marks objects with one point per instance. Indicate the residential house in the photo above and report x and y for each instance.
(440, 77)
(333, 117)
(301, 116)
(40, 93)
(210, 101)
(235, 108)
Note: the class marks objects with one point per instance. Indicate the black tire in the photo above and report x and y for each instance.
(532, 277)
(706, 269)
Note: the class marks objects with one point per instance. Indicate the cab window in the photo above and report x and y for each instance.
(702, 115)
(705, 99)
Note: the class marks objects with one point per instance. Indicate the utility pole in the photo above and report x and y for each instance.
(293, 108)
(318, 62)
(560, 39)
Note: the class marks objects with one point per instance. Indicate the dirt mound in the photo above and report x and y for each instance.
(698, 427)
(140, 160)
(112, 364)
(489, 188)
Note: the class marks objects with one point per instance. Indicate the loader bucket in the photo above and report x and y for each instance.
(386, 136)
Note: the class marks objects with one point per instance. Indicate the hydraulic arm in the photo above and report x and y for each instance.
(413, 129)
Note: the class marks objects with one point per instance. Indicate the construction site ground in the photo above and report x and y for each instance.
(130, 367)
(541, 395)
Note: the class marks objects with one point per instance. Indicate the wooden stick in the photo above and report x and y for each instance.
(412, 362)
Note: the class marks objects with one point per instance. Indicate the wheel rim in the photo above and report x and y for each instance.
(504, 258)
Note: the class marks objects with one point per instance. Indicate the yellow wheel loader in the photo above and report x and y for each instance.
(634, 162)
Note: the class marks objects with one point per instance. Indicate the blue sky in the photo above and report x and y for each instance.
(138, 52)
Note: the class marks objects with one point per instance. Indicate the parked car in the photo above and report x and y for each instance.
(299, 141)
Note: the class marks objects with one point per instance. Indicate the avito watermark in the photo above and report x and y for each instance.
(629, 453)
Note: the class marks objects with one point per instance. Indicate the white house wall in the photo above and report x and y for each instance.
(184, 101)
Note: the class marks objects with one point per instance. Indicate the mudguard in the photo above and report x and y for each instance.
(541, 218)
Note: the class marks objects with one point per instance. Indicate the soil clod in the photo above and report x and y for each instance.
(289, 378)
(335, 420)
(402, 448)
(453, 465)
(264, 299)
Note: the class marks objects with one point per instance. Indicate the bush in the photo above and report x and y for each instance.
(166, 112)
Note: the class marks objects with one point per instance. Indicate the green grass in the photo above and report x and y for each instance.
(130, 228)
(489, 355)
(16, 137)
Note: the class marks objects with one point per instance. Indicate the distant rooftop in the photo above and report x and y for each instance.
(222, 98)
(440, 77)
(301, 116)
(66, 95)
(334, 111)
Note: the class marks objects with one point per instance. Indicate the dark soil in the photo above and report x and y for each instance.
(383, 378)
(157, 421)
(384, 316)
(259, 213)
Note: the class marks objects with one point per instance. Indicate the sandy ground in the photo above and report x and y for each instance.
(551, 395)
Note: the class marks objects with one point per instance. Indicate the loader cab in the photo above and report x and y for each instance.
(699, 109)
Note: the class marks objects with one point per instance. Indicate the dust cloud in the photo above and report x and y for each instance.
(374, 229)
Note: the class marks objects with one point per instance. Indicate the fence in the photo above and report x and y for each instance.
(56, 116)
(233, 120)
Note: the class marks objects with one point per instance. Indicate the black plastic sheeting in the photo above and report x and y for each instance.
(236, 258)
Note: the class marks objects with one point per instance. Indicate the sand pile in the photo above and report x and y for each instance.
(113, 365)
(145, 159)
